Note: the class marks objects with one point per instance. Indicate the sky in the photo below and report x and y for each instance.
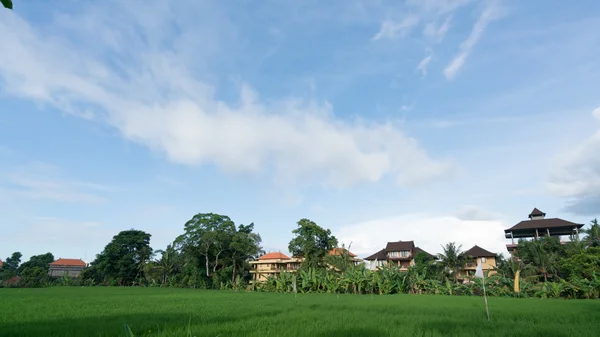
(428, 120)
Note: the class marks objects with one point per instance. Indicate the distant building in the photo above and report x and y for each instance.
(69, 267)
(275, 262)
(1, 264)
(477, 255)
(538, 226)
(271, 264)
(401, 254)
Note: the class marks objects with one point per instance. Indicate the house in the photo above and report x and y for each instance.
(401, 254)
(538, 226)
(477, 255)
(275, 262)
(271, 264)
(69, 267)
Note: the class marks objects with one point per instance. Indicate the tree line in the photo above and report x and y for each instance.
(214, 253)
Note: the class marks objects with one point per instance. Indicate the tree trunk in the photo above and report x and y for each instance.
(207, 267)
(233, 274)
(216, 262)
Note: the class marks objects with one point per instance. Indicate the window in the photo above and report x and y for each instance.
(482, 259)
(402, 253)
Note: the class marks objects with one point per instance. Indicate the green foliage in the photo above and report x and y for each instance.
(41, 261)
(123, 259)
(593, 234)
(34, 277)
(156, 312)
(7, 4)
(452, 259)
(312, 242)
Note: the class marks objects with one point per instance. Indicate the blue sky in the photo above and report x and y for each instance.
(432, 121)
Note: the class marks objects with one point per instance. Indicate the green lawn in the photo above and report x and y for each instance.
(171, 312)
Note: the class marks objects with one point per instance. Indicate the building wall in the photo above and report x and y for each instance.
(60, 271)
(488, 265)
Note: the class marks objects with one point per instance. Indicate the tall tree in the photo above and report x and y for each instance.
(41, 261)
(168, 262)
(593, 234)
(452, 259)
(12, 263)
(207, 236)
(124, 258)
(312, 242)
(245, 245)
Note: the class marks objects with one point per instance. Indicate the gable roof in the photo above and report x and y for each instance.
(418, 250)
(380, 255)
(339, 251)
(536, 212)
(543, 223)
(400, 245)
(274, 256)
(69, 262)
(477, 251)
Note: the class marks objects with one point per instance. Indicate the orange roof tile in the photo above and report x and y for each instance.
(339, 251)
(69, 262)
(1, 263)
(274, 256)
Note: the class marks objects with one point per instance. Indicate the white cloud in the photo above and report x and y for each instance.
(475, 213)
(429, 232)
(391, 29)
(437, 33)
(423, 64)
(576, 174)
(490, 13)
(149, 83)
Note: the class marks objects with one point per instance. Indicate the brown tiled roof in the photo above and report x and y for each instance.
(339, 251)
(400, 245)
(1, 263)
(380, 255)
(477, 251)
(274, 256)
(12, 280)
(69, 262)
(536, 212)
(543, 223)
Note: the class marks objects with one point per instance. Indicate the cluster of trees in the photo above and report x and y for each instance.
(213, 253)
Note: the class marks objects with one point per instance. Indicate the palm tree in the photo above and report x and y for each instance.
(167, 263)
(546, 263)
(453, 259)
(593, 234)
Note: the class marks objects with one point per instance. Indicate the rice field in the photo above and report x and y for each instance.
(105, 311)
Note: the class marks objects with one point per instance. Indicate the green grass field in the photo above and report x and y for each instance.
(104, 311)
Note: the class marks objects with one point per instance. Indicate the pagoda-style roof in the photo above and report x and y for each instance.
(536, 212)
(477, 251)
(555, 226)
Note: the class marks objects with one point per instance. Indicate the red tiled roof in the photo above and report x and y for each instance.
(69, 262)
(12, 280)
(1, 263)
(274, 256)
(339, 251)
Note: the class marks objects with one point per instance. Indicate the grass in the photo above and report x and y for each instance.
(105, 311)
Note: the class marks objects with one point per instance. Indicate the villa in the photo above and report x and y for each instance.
(275, 262)
(478, 255)
(68, 267)
(538, 226)
(401, 254)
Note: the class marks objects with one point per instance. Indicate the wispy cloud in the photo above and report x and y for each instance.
(437, 33)
(576, 174)
(391, 29)
(422, 67)
(491, 12)
(151, 84)
(41, 181)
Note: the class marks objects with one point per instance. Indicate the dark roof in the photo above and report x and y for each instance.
(543, 224)
(477, 251)
(380, 255)
(417, 250)
(536, 212)
(400, 245)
